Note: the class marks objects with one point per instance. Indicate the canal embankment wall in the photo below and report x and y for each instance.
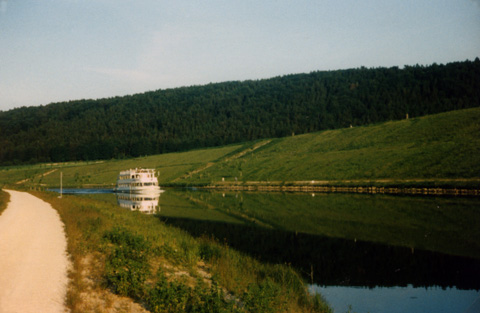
(322, 187)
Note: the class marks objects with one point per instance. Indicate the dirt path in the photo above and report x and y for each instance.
(38, 176)
(236, 156)
(33, 260)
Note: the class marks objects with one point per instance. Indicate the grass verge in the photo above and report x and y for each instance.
(124, 257)
(4, 199)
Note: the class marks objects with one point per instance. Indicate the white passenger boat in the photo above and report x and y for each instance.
(139, 180)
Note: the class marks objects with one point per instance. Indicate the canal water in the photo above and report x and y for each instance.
(363, 253)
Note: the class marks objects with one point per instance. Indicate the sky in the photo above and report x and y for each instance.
(62, 50)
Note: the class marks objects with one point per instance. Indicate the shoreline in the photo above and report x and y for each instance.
(441, 187)
(427, 191)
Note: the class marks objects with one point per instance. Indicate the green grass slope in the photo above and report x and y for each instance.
(438, 147)
(104, 173)
(442, 148)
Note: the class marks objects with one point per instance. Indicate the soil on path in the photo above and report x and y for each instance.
(33, 259)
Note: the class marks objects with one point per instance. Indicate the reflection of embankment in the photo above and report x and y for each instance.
(327, 261)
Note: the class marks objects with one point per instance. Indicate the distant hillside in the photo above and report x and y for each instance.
(218, 114)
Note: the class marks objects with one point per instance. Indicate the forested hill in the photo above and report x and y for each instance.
(223, 113)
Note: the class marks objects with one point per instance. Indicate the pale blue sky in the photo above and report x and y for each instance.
(60, 50)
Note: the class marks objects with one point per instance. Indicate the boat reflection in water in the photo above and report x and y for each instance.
(142, 202)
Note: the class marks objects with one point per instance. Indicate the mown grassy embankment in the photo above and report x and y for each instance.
(438, 150)
(119, 255)
(441, 150)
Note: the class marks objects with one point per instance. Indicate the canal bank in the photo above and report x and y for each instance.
(177, 272)
(400, 249)
(408, 187)
(392, 246)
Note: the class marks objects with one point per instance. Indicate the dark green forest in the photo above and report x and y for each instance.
(223, 113)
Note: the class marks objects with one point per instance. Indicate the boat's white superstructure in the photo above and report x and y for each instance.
(139, 180)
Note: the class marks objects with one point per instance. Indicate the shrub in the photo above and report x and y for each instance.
(167, 296)
(126, 267)
(177, 297)
(132, 246)
(209, 250)
(264, 297)
(212, 300)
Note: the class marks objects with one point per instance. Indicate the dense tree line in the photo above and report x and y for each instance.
(217, 114)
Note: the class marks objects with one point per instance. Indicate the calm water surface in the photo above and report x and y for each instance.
(375, 253)
(400, 299)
